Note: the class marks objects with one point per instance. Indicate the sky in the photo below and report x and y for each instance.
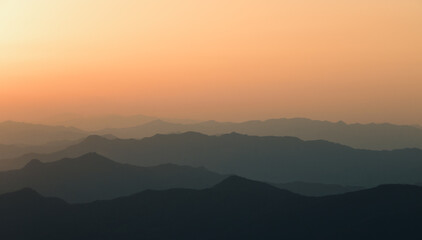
(356, 61)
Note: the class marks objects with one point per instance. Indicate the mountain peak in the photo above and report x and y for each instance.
(188, 134)
(89, 157)
(34, 163)
(94, 139)
(239, 183)
(193, 134)
(234, 134)
(157, 122)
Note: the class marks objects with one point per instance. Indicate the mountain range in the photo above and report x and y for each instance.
(95, 123)
(269, 159)
(235, 208)
(93, 177)
(366, 136)
(17, 133)
(13, 151)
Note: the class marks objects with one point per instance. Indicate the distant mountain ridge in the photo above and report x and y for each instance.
(366, 136)
(96, 123)
(13, 151)
(93, 177)
(18, 133)
(269, 159)
(100, 122)
(236, 208)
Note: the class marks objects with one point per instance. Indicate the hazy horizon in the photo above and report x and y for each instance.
(354, 61)
(66, 119)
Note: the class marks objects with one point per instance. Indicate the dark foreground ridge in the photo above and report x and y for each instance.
(236, 208)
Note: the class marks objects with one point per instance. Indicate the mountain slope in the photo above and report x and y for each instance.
(25, 214)
(93, 177)
(236, 208)
(366, 136)
(269, 159)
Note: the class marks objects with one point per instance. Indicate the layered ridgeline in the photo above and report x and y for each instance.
(366, 136)
(16, 150)
(95, 123)
(17, 133)
(94, 177)
(236, 208)
(269, 159)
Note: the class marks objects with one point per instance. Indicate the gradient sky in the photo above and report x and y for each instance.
(357, 61)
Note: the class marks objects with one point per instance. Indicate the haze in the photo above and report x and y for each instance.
(357, 61)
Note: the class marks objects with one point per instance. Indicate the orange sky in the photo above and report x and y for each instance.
(357, 61)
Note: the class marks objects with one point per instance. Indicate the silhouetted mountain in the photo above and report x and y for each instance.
(366, 136)
(316, 189)
(237, 208)
(25, 198)
(269, 159)
(19, 210)
(93, 177)
(16, 133)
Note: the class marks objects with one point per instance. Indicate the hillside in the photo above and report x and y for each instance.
(236, 208)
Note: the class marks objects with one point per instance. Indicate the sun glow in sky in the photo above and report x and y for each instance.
(212, 59)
